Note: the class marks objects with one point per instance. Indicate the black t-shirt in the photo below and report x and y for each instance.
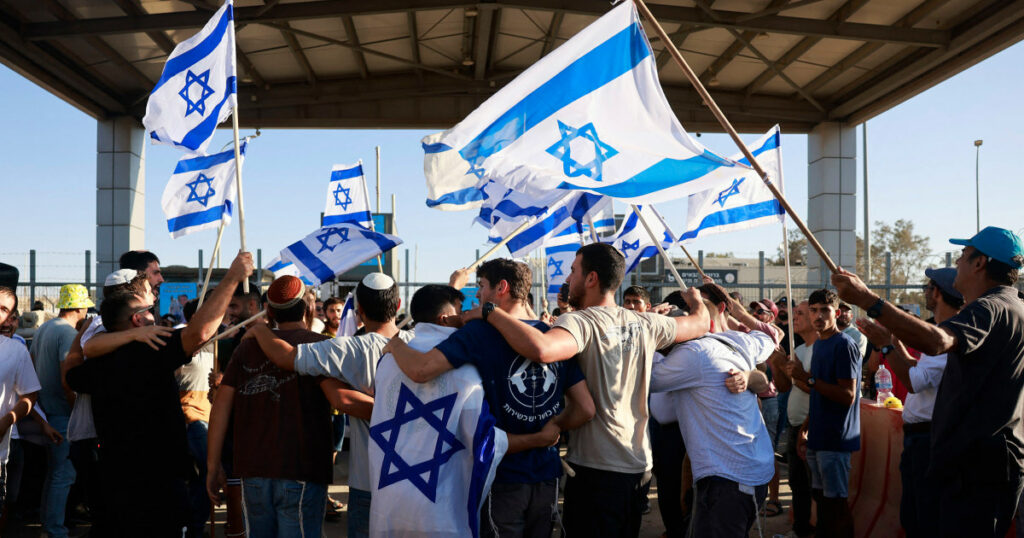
(136, 408)
(976, 424)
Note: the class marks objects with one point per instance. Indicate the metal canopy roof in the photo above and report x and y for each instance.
(428, 63)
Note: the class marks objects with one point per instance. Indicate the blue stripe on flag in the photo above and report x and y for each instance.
(770, 144)
(606, 62)
(538, 230)
(511, 209)
(201, 132)
(644, 254)
(554, 289)
(483, 460)
(459, 197)
(736, 214)
(347, 173)
(561, 248)
(605, 223)
(437, 147)
(199, 217)
(383, 242)
(354, 218)
(662, 175)
(207, 161)
(307, 258)
(202, 50)
(278, 266)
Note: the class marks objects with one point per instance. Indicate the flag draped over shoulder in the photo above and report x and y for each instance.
(332, 250)
(589, 116)
(434, 449)
(201, 192)
(742, 201)
(347, 198)
(635, 243)
(281, 268)
(197, 89)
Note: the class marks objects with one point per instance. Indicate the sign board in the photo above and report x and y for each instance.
(471, 301)
(174, 295)
(725, 277)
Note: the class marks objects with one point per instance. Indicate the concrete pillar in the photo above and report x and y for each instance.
(832, 196)
(120, 191)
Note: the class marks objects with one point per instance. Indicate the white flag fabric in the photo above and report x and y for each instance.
(742, 201)
(635, 243)
(197, 89)
(591, 115)
(331, 250)
(281, 268)
(348, 324)
(449, 187)
(347, 198)
(559, 216)
(434, 449)
(201, 192)
(559, 260)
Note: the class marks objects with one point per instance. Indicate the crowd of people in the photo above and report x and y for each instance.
(710, 396)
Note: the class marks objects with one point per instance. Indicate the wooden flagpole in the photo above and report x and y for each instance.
(234, 328)
(657, 244)
(724, 122)
(503, 242)
(789, 290)
(676, 241)
(366, 194)
(238, 186)
(216, 249)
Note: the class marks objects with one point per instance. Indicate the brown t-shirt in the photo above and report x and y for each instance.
(282, 420)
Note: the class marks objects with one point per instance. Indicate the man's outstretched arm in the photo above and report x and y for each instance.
(346, 399)
(579, 410)
(698, 323)
(420, 367)
(207, 319)
(552, 346)
(281, 353)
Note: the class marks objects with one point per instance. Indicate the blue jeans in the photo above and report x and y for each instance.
(59, 477)
(199, 501)
(830, 472)
(276, 508)
(358, 513)
(770, 414)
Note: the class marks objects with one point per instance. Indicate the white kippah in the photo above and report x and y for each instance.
(378, 281)
(121, 276)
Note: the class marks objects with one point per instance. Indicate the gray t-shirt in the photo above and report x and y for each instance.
(352, 359)
(976, 423)
(615, 347)
(49, 348)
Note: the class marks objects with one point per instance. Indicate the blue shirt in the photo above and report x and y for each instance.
(833, 426)
(523, 395)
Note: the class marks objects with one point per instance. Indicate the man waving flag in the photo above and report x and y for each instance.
(197, 89)
(589, 116)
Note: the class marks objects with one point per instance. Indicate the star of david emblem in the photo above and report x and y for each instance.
(193, 190)
(562, 151)
(476, 171)
(199, 104)
(325, 238)
(626, 247)
(409, 408)
(558, 267)
(342, 198)
(733, 190)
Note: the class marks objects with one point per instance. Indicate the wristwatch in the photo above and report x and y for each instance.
(886, 349)
(486, 310)
(876, 309)
(810, 381)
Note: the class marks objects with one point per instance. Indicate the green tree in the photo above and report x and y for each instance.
(909, 256)
(797, 249)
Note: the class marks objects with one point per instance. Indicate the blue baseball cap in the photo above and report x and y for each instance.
(943, 278)
(996, 243)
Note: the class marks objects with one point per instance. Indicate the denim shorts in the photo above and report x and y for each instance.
(830, 472)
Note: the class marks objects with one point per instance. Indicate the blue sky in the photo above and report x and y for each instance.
(921, 166)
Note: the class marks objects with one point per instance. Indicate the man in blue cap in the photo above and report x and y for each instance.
(977, 438)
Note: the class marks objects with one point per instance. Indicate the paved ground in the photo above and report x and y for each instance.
(651, 526)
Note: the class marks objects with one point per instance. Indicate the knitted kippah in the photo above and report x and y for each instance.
(285, 292)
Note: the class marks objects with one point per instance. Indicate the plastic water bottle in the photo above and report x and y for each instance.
(883, 383)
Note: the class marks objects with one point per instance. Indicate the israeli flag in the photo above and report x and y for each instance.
(197, 88)
(347, 199)
(201, 192)
(434, 449)
(564, 214)
(332, 250)
(348, 324)
(281, 268)
(448, 188)
(635, 243)
(742, 201)
(559, 260)
(589, 116)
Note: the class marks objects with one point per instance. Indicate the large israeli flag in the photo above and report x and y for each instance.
(558, 261)
(347, 199)
(449, 188)
(589, 116)
(434, 449)
(197, 88)
(201, 192)
(741, 201)
(557, 217)
(635, 243)
(280, 268)
(332, 250)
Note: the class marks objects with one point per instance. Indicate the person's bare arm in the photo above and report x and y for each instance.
(420, 367)
(102, 343)
(698, 323)
(220, 414)
(579, 408)
(72, 359)
(912, 331)
(844, 391)
(547, 436)
(49, 432)
(757, 381)
(19, 411)
(346, 399)
(777, 362)
(281, 353)
(207, 319)
(900, 362)
(552, 346)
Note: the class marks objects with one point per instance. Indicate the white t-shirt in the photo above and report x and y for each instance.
(17, 378)
(352, 359)
(925, 377)
(800, 401)
(80, 425)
